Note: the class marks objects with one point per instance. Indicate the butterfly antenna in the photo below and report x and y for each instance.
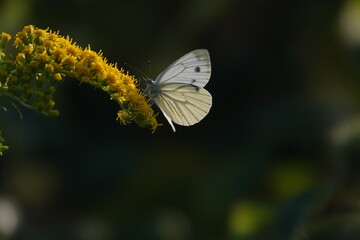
(136, 69)
(149, 62)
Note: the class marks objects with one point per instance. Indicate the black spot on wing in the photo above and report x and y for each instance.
(197, 69)
(192, 83)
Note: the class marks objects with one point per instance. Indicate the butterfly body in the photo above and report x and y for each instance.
(152, 89)
(178, 90)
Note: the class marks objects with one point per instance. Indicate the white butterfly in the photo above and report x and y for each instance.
(178, 90)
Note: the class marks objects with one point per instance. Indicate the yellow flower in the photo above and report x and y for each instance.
(50, 57)
(4, 39)
(20, 59)
(57, 77)
(18, 43)
(49, 68)
(123, 117)
(29, 49)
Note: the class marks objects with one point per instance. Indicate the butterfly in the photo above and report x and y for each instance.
(178, 90)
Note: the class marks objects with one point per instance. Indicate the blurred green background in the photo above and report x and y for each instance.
(276, 158)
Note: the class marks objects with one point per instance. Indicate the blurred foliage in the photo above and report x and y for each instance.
(276, 158)
(2, 147)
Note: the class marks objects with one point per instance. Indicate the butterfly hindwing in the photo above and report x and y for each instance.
(183, 104)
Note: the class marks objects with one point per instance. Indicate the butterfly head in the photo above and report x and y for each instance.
(152, 89)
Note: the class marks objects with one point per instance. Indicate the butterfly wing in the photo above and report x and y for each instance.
(183, 104)
(193, 68)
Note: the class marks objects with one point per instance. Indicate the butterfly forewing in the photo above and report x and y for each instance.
(193, 68)
(184, 104)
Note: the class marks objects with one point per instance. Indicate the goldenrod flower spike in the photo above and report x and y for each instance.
(44, 58)
(55, 57)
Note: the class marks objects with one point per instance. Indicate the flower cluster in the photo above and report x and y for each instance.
(43, 58)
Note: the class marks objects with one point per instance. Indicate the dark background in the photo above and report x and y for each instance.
(277, 157)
